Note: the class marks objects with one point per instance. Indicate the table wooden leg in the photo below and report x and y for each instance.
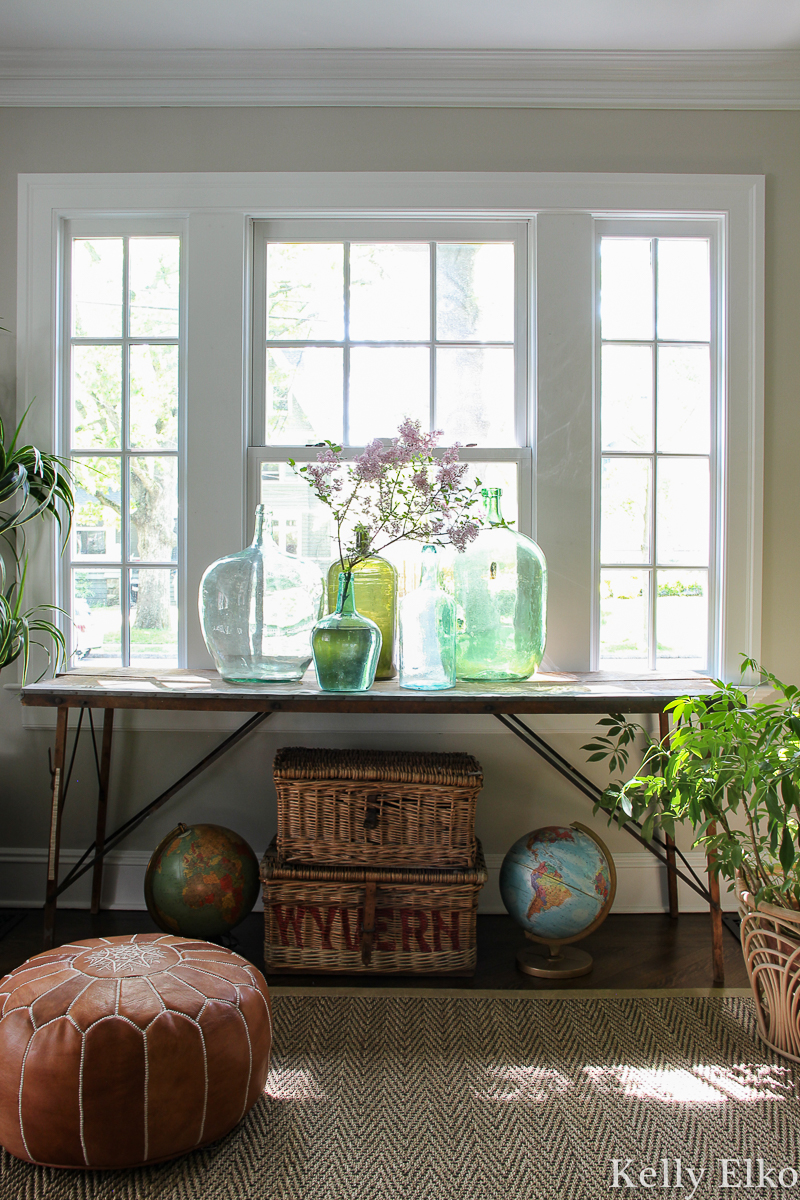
(718, 959)
(56, 811)
(672, 878)
(102, 805)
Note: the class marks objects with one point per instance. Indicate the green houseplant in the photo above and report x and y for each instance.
(33, 483)
(730, 768)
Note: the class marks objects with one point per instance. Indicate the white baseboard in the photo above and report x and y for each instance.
(641, 882)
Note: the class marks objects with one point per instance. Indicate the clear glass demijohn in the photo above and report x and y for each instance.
(501, 594)
(428, 632)
(258, 608)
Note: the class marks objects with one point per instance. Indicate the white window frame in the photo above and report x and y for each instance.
(218, 211)
(712, 228)
(122, 227)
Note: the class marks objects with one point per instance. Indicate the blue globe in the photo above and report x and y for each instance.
(558, 882)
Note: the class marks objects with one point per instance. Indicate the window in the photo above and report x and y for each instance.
(658, 405)
(120, 389)
(359, 325)
(253, 368)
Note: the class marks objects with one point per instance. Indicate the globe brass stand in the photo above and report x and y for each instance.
(565, 962)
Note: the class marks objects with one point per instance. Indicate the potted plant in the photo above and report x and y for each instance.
(730, 768)
(33, 483)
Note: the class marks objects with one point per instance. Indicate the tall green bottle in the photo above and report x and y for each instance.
(501, 598)
(375, 581)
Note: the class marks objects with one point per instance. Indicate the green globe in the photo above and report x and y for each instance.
(201, 881)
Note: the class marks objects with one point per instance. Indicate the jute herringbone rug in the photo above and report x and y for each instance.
(405, 1097)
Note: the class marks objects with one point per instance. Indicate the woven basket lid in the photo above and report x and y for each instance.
(384, 766)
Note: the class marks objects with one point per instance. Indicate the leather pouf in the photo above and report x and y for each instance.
(120, 1051)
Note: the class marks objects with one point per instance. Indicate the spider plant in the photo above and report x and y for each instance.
(33, 483)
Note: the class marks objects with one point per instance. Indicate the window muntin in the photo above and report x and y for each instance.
(121, 402)
(657, 473)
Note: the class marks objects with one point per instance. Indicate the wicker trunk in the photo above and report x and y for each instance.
(345, 919)
(376, 808)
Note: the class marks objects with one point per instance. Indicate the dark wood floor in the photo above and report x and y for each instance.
(651, 951)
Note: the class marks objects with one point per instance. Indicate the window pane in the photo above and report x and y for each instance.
(305, 291)
(475, 292)
(624, 602)
(297, 516)
(682, 527)
(475, 395)
(97, 287)
(386, 385)
(625, 509)
(684, 399)
(626, 289)
(96, 523)
(627, 398)
(96, 397)
(390, 292)
(96, 618)
(154, 276)
(684, 290)
(154, 508)
(682, 620)
(153, 617)
(154, 397)
(304, 395)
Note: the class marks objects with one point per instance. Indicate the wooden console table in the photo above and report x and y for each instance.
(203, 691)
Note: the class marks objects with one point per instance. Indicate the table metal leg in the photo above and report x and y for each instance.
(56, 812)
(102, 805)
(669, 842)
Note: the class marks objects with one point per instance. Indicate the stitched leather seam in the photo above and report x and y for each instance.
(211, 975)
(250, 1068)
(146, 1094)
(80, 1098)
(19, 1102)
(155, 993)
(205, 1084)
(77, 998)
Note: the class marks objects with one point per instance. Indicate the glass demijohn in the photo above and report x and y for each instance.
(258, 608)
(428, 632)
(346, 644)
(377, 599)
(501, 594)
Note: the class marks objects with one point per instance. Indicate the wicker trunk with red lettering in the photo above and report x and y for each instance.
(348, 919)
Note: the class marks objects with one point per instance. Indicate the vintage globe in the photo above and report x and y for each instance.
(201, 881)
(558, 883)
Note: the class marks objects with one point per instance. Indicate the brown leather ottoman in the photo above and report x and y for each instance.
(126, 1050)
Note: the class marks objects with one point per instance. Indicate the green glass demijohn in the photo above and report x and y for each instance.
(376, 581)
(501, 594)
(346, 644)
(258, 608)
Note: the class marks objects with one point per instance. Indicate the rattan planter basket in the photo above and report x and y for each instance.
(376, 808)
(345, 919)
(771, 948)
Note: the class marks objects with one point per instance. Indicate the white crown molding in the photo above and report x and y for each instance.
(694, 79)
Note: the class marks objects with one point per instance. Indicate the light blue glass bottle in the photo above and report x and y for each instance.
(346, 646)
(428, 632)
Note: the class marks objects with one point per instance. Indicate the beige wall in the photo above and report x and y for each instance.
(519, 793)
